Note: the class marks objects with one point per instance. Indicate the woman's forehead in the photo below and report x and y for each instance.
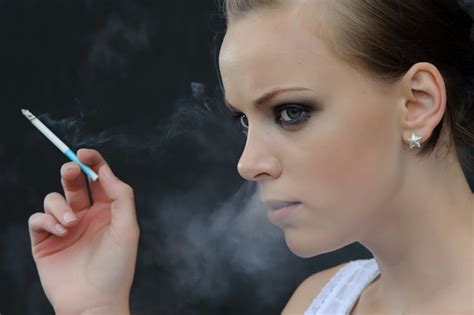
(292, 28)
(271, 34)
(271, 48)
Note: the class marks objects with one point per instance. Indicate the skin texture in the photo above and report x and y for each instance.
(88, 269)
(349, 163)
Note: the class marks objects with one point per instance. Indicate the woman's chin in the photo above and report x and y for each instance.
(300, 246)
(305, 245)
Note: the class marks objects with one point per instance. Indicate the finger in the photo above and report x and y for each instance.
(56, 205)
(95, 161)
(74, 186)
(123, 213)
(41, 225)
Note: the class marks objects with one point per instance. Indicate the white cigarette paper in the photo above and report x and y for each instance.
(58, 143)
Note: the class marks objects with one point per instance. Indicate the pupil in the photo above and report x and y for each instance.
(293, 113)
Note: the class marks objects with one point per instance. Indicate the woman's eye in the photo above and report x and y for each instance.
(286, 115)
(292, 115)
(242, 120)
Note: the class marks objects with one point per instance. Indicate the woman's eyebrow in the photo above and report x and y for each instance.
(267, 97)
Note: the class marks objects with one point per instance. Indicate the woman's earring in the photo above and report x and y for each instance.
(414, 141)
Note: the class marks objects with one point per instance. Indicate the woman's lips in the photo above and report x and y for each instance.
(279, 212)
(277, 204)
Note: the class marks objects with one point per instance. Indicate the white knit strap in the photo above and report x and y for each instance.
(339, 295)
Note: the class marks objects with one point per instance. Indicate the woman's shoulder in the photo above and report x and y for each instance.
(309, 289)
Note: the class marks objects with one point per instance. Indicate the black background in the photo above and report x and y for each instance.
(136, 79)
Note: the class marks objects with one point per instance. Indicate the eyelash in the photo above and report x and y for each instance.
(237, 116)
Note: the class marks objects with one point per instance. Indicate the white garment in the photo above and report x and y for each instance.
(340, 294)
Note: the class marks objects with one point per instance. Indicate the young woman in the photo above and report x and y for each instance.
(357, 115)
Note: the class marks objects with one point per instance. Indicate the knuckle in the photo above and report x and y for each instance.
(127, 190)
(134, 233)
(90, 151)
(72, 183)
(84, 150)
(137, 230)
(97, 153)
(40, 221)
(51, 197)
(34, 218)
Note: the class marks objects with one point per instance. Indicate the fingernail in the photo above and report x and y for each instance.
(60, 228)
(69, 217)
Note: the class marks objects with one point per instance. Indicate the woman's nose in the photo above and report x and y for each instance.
(258, 162)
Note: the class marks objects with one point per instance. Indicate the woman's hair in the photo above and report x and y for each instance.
(387, 37)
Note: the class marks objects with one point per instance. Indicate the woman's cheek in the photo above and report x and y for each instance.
(365, 173)
(347, 172)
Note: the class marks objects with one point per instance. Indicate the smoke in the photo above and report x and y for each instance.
(204, 241)
(127, 30)
(235, 240)
(193, 120)
(216, 255)
(467, 3)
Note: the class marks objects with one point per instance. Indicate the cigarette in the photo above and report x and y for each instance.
(58, 143)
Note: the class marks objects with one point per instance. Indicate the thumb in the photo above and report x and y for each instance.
(121, 195)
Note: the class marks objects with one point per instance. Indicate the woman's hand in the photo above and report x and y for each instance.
(89, 267)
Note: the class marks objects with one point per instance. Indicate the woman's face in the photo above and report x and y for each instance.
(329, 139)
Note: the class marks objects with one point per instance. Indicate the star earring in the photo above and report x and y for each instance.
(414, 141)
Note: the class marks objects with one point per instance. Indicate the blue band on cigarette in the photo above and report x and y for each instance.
(72, 156)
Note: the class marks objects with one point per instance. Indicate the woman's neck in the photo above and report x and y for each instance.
(423, 241)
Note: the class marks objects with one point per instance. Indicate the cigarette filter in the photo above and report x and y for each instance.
(58, 143)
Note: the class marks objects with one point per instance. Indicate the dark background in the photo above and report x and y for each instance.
(136, 79)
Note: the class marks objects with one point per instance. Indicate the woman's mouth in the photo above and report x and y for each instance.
(279, 212)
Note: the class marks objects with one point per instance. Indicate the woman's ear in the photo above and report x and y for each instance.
(424, 100)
